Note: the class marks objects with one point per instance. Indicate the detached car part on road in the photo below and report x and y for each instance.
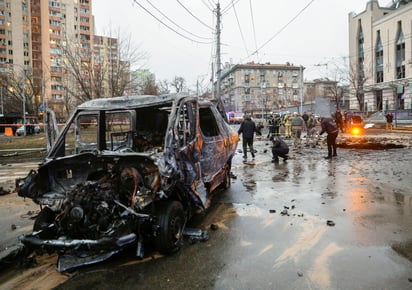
(128, 170)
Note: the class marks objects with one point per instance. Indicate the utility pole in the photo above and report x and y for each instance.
(221, 107)
(24, 104)
(218, 64)
(2, 105)
(301, 89)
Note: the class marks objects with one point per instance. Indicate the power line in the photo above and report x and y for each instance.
(253, 25)
(160, 21)
(230, 5)
(164, 15)
(283, 28)
(208, 5)
(194, 15)
(240, 28)
(212, 3)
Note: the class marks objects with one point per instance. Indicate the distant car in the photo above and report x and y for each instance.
(36, 130)
(128, 170)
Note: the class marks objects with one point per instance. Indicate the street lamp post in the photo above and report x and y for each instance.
(301, 88)
(2, 105)
(24, 105)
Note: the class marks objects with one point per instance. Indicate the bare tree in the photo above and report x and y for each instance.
(338, 72)
(178, 83)
(17, 87)
(150, 88)
(79, 73)
(103, 74)
(129, 58)
(163, 87)
(357, 80)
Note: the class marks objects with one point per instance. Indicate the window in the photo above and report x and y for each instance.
(379, 59)
(54, 22)
(54, 4)
(400, 53)
(361, 40)
(400, 72)
(379, 99)
(208, 124)
(118, 130)
(247, 78)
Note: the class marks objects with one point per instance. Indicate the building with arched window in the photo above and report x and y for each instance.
(380, 51)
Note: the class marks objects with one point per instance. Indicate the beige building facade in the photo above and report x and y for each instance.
(261, 88)
(55, 24)
(380, 51)
(15, 36)
(33, 34)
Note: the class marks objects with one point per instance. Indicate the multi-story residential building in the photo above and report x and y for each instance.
(255, 88)
(32, 35)
(15, 52)
(55, 24)
(105, 54)
(380, 51)
(15, 35)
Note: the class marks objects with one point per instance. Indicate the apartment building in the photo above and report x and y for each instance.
(56, 24)
(15, 53)
(32, 36)
(105, 56)
(255, 88)
(380, 51)
(15, 35)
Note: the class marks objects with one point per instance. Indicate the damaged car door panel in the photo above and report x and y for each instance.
(128, 170)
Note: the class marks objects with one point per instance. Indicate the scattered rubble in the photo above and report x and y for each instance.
(330, 223)
(374, 142)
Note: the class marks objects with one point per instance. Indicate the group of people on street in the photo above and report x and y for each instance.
(296, 124)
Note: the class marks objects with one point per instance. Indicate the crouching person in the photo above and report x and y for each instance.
(279, 149)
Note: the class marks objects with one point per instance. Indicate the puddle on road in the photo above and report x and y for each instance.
(404, 249)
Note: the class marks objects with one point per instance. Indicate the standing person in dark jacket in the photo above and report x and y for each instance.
(279, 149)
(329, 126)
(248, 129)
(389, 120)
(339, 120)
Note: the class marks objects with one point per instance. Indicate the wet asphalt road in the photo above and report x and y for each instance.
(309, 223)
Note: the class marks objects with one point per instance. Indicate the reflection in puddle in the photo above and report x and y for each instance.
(246, 210)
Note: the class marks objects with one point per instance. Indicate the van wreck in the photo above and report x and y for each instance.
(128, 170)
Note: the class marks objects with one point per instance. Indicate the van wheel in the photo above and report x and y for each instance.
(44, 219)
(171, 221)
(227, 182)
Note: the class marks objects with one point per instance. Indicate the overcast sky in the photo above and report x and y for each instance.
(303, 32)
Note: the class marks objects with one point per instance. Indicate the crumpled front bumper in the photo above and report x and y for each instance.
(62, 244)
